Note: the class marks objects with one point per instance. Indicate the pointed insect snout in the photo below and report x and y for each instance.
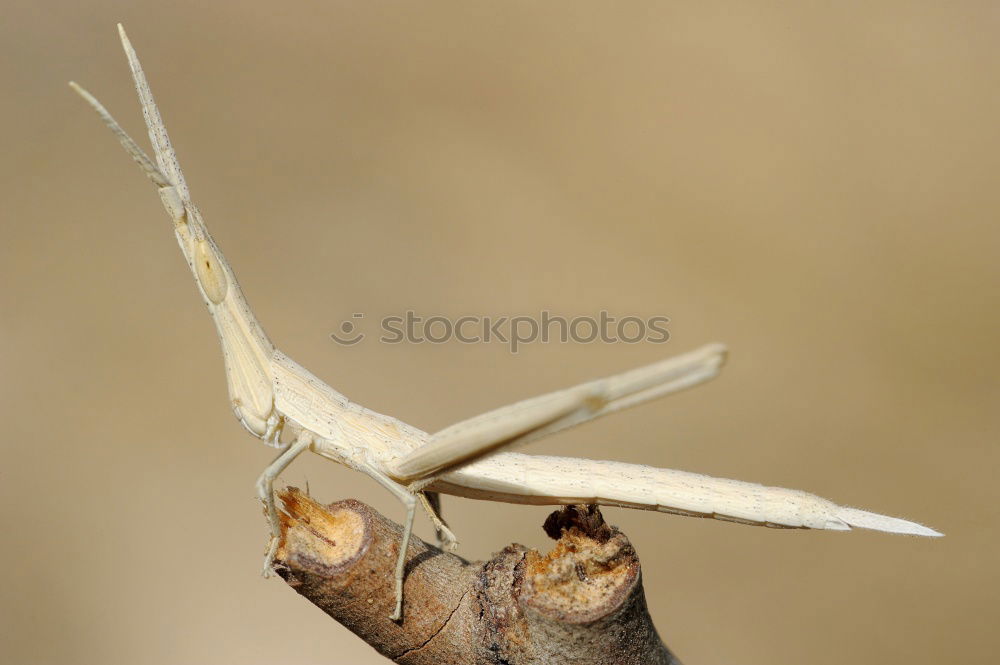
(173, 203)
(179, 215)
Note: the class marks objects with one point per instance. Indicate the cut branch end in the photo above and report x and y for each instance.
(580, 603)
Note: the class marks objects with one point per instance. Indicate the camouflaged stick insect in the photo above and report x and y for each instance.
(271, 395)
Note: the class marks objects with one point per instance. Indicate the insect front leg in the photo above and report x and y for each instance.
(265, 490)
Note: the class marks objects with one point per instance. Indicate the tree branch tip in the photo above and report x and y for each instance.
(580, 603)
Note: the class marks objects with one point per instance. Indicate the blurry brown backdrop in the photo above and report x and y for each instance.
(816, 186)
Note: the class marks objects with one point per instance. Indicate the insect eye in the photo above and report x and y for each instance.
(210, 274)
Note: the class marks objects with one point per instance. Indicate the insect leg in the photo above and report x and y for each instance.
(431, 501)
(410, 501)
(265, 490)
(534, 418)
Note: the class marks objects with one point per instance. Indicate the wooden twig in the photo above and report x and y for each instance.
(581, 603)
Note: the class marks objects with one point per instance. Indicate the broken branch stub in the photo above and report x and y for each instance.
(581, 603)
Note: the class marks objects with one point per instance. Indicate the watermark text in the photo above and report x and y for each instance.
(513, 331)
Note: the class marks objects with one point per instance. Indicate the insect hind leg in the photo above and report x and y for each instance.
(431, 501)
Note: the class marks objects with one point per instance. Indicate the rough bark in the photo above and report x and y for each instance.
(580, 603)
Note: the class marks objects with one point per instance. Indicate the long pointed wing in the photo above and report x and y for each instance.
(543, 480)
(540, 416)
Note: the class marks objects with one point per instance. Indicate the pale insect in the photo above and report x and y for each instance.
(272, 395)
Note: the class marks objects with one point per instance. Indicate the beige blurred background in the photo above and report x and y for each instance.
(815, 186)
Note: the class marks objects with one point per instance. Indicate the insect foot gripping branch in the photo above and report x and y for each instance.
(271, 394)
